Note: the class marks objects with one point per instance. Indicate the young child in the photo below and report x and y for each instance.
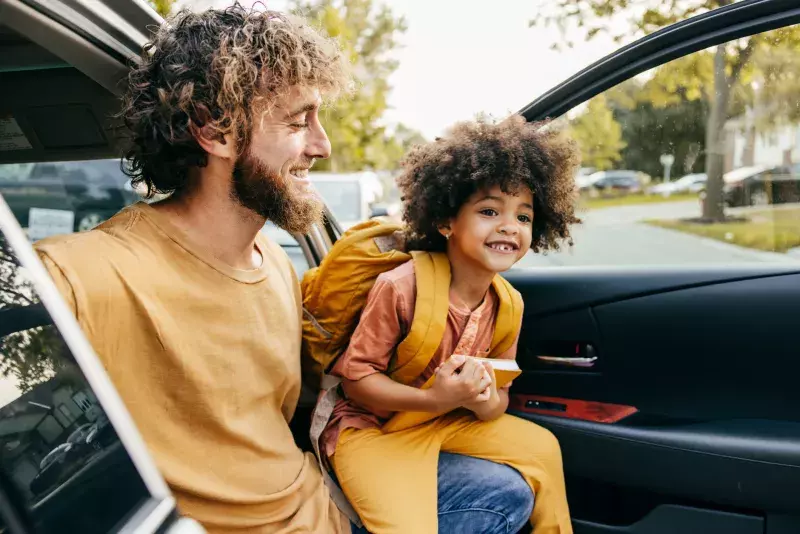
(485, 194)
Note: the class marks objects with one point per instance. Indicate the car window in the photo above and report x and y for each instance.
(15, 172)
(289, 245)
(343, 198)
(60, 456)
(662, 125)
(50, 198)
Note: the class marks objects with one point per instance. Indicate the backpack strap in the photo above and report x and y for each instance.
(509, 316)
(432, 273)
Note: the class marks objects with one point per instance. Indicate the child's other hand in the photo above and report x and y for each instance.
(459, 380)
(486, 401)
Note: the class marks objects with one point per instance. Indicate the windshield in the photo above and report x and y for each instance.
(342, 197)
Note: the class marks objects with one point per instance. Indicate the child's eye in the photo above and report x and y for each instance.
(489, 212)
(525, 219)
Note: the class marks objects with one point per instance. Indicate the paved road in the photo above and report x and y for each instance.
(617, 236)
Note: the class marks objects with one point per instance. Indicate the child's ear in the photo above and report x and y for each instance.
(445, 230)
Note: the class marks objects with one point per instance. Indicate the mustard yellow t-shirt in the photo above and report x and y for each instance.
(207, 360)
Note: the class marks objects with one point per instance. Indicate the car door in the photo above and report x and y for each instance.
(662, 354)
(72, 459)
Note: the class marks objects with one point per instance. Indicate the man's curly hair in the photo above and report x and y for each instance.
(220, 69)
(439, 177)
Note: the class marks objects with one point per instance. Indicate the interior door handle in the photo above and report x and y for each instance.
(568, 361)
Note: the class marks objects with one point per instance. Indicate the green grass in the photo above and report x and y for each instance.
(631, 200)
(775, 230)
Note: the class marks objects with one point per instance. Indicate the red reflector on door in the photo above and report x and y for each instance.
(596, 412)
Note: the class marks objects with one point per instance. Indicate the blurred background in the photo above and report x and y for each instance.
(421, 66)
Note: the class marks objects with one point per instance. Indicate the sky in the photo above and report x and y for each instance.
(463, 57)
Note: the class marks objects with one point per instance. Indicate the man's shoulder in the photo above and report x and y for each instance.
(89, 247)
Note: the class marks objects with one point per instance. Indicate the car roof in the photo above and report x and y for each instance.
(742, 173)
(86, 54)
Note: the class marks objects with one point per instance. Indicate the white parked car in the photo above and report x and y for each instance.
(691, 183)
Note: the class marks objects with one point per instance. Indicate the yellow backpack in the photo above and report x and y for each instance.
(335, 293)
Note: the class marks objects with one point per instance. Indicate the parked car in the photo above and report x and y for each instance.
(760, 186)
(348, 195)
(91, 191)
(50, 469)
(614, 182)
(691, 183)
(695, 431)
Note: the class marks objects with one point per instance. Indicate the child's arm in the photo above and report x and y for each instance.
(364, 364)
(450, 390)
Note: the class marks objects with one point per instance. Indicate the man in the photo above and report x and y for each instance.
(195, 314)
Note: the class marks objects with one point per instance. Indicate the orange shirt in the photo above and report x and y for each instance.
(384, 323)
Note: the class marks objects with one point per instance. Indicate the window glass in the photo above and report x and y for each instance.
(721, 124)
(50, 198)
(289, 245)
(59, 454)
(344, 199)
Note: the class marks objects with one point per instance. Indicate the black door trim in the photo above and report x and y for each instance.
(709, 29)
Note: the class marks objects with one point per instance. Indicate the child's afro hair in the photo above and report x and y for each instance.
(439, 177)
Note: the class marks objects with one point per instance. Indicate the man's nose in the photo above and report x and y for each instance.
(319, 146)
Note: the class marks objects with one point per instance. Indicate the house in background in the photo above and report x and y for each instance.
(750, 144)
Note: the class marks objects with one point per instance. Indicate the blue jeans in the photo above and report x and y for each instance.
(479, 496)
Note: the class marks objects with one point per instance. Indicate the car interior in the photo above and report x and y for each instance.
(672, 390)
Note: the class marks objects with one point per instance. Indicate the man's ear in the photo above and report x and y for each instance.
(214, 143)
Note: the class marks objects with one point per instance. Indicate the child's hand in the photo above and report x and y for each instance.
(459, 380)
(487, 401)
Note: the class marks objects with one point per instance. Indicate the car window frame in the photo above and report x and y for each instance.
(735, 21)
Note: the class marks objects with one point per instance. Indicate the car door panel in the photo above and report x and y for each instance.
(708, 415)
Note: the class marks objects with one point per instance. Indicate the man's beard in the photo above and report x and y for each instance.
(274, 197)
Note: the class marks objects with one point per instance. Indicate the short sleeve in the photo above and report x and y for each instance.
(61, 282)
(377, 335)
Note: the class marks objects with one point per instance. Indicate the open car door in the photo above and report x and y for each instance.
(665, 362)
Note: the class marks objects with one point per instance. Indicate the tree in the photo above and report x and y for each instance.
(598, 134)
(652, 126)
(31, 356)
(727, 67)
(368, 32)
(162, 7)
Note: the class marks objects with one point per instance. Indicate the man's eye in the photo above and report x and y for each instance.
(488, 212)
(299, 125)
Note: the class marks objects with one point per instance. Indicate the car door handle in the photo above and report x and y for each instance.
(568, 361)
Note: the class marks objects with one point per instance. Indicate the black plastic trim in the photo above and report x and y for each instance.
(562, 289)
(735, 21)
(750, 464)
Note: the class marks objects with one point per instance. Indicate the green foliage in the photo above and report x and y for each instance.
(162, 7)
(722, 80)
(598, 134)
(368, 32)
(30, 357)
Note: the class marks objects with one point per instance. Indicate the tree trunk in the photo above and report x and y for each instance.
(713, 206)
